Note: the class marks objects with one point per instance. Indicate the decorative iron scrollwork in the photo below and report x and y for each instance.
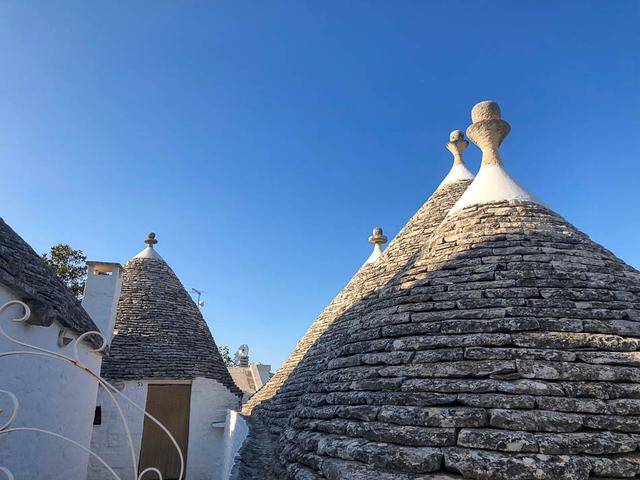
(75, 361)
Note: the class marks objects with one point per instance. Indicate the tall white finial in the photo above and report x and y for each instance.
(493, 183)
(377, 239)
(488, 131)
(149, 252)
(459, 171)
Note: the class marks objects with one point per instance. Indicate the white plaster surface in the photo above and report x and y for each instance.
(109, 438)
(261, 373)
(235, 432)
(53, 395)
(149, 252)
(492, 184)
(375, 254)
(458, 172)
(210, 401)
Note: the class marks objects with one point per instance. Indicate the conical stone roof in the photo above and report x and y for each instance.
(506, 350)
(271, 407)
(36, 284)
(160, 332)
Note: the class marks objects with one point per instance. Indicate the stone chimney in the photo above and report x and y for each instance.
(101, 294)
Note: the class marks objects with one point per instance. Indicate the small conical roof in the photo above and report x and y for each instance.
(160, 332)
(507, 351)
(272, 405)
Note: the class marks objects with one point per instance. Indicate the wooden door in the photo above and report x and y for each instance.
(170, 405)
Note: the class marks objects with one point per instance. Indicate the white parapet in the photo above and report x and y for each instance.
(235, 433)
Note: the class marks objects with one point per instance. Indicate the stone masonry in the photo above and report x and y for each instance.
(503, 346)
(271, 407)
(507, 349)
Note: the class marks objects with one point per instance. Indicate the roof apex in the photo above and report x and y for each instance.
(149, 252)
(378, 238)
(459, 171)
(492, 183)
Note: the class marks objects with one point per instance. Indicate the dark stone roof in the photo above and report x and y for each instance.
(271, 406)
(161, 332)
(505, 349)
(36, 284)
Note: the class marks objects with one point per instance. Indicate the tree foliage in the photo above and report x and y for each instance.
(226, 357)
(70, 266)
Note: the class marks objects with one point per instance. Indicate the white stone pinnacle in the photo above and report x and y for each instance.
(377, 239)
(492, 183)
(459, 171)
(149, 252)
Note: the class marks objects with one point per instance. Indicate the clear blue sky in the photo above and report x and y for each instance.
(263, 140)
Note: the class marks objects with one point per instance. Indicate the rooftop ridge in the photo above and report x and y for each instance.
(492, 183)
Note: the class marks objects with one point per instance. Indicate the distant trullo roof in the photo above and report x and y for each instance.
(507, 350)
(35, 283)
(271, 407)
(160, 330)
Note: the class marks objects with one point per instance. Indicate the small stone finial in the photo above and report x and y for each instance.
(457, 145)
(378, 238)
(488, 131)
(151, 240)
(456, 135)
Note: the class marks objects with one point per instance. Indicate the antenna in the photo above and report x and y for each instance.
(199, 293)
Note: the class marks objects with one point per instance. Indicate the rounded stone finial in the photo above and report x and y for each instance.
(457, 145)
(486, 110)
(378, 237)
(151, 239)
(488, 131)
(456, 135)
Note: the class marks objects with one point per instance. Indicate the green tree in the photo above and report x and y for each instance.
(70, 266)
(226, 357)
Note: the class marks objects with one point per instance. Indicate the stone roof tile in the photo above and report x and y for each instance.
(25, 272)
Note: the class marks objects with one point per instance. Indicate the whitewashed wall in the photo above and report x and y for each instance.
(210, 401)
(53, 396)
(109, 438)
(235, 433)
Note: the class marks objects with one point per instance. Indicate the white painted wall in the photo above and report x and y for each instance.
(109, 439)
(210, 401)
(235, 433)
(53, 395)
(207, 447)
